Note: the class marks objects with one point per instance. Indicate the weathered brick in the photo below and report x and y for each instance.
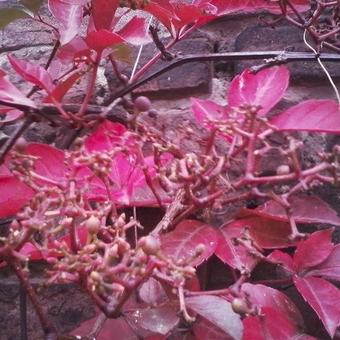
(264, 38)
(181, 81)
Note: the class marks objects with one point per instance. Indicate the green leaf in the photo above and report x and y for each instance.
(7, 15)
(123, 53)
(32, 5)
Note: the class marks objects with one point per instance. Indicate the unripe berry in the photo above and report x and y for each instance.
(92, 225)
(282, 169)
(20, 144)
(150, 245)
(142, 103)
(239, 306)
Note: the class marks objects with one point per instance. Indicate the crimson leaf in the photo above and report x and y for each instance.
(323, 297)
(181, 244)
(321, 245)
(330, 268)
(219, 312)
(103, 12)
(305, 209)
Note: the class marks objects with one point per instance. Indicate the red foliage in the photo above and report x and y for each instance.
(72, 208)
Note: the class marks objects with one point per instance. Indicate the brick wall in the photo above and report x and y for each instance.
(170, 93)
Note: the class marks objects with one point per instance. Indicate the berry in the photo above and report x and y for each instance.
(142, 103)
(239, 306)
(282, 169)
(150, 245)
(93, 224)
(20, 144)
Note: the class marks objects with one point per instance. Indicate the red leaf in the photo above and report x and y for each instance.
(283, 258)
(322, 246)
(32, 73)
(207, 112)
(160, 319)
(235, 255)
(203, 329)
(310, 115)
(152, 292)
(264, 89)
(266, 297)
(271, 325)
(183, 241)
(219, 312)
(305, 209)
(11, 95)
(99, 40)
(62, 88)
(77, 47)
(103, 12)
(69, 15)
(268, 233)
(330, 268)
(14, 194)
(323, 297)
(135, 32)
(113, 329)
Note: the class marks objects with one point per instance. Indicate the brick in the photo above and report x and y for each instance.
(66, 306)
(260, 38)
(181, 81)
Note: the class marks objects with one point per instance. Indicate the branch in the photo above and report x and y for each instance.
(229, 56)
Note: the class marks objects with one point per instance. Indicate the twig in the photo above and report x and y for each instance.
(14, 137)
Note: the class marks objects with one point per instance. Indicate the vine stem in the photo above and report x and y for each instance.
(22, 276)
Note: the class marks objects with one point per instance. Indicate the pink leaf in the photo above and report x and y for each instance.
(235, 255)
(106, 136)
(11, 95)
(322, 246)
(11, 116)
(310, 115)
(305, 209)
(323, 297)
(330, 268)
(263, 296)
(219, 312)
(32, 73)
(50, 161)
(135, 32)
(206, 112)
(14, 194)
(264, 89)
(181, 244)
(103, 12)
(69, 15)
(99, 40)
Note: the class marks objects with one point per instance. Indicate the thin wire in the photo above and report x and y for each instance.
(322, 66)
(140, 52)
